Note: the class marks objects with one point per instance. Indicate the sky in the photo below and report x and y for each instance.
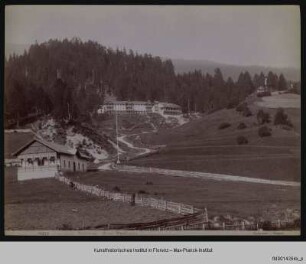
(241, 35)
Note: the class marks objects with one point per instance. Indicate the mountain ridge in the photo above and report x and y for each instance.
(231, 70)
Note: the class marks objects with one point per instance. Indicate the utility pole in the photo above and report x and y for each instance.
(188, 108)
(69, 116)
(118, 160)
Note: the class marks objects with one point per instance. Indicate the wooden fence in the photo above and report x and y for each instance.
(138, 199)
(191, 219)
(196, 221)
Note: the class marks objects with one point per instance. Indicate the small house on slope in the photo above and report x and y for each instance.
(43, 159)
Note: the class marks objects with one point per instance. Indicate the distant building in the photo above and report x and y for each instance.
(167, 109)
(264, 90)
(42, 159)
(139, 107)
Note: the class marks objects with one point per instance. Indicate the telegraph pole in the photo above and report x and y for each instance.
(118, 160)
(188, 108)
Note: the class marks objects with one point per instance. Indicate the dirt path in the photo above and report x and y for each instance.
(123, 139)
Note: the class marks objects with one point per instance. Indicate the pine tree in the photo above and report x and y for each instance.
(282, 84)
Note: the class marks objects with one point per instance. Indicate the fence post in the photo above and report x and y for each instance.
(223, 226)
(242, 225)
(192, 209)
(180, 208)
(278, 223)
(256, 225)
(206, 214)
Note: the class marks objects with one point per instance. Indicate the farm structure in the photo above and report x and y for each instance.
(43, 159)
(140, 107)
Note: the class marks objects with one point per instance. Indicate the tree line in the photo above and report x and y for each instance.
(69, 79)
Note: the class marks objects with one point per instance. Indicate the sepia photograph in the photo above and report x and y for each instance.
(152, 120)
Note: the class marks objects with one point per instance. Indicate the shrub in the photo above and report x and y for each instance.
(247, 112)
(241, 140)
(241, 126)
(285, 127)
(262, 94)
(241, 107)
(149, 183)
(263, 117)
(264, 131)
(116, 189)
(231, 105)
(142, 192)
(267, 225)
(65, 227)
(281, 118)
(224, 125)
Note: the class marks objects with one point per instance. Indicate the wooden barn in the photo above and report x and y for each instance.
(42, 159)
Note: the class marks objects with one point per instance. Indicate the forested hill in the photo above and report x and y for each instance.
(233, 71)
(68, 79)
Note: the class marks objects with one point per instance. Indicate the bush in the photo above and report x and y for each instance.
(241, 107)
(231, 105)
(224, 125)
(281, 118)
(142, 192)
(262, 94)
(241, 140)
(247, 112)
(285, 127)
(116, 189)
(263, 117)
(149, 183)
(267, 225)
(264, 131)
(241, 126)
(65, 227)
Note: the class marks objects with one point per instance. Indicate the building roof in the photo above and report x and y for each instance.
(128, 102)
(81, 154)
(169, 105)
(56, 147)
(15, 139)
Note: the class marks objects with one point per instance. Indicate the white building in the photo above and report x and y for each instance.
(167, 109)
(42, 159)
(140, 107)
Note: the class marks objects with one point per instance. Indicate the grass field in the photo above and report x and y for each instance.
(279, 166)
(49, 205)
(201, 146)
(220, 198)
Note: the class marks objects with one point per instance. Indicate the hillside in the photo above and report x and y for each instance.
(233, 71)
(201, 145)
(69, 79)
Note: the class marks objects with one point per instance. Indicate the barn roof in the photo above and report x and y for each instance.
(56, 147)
